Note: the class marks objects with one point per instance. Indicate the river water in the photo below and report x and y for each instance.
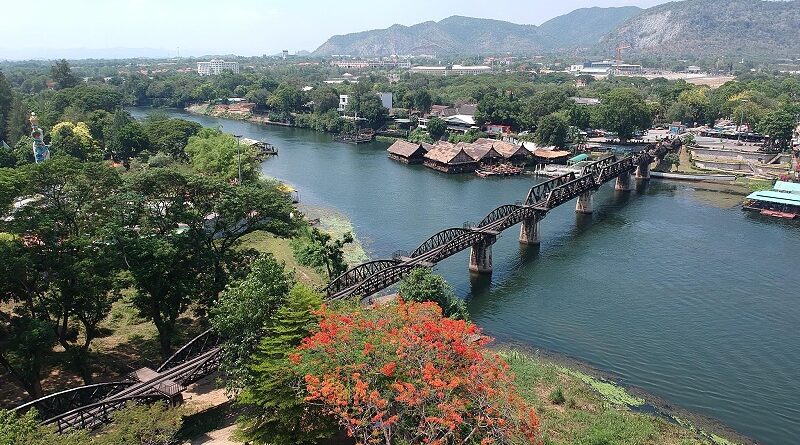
(670, 288)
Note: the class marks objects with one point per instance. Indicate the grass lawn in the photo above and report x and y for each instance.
(282, 251)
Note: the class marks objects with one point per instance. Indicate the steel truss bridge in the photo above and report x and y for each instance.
(374, 276)
(91, 406)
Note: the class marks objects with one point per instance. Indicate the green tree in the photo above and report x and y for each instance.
(579, 116)
(24, 341)
(624, 112)
(171, 136)
(422, 100)
(64, 272)
(373, 111)
(62, 75)
(779, 125)
(156, 424)
(6, 101)
(423, 285)
(436, 128)
(285, 99)
(553, 129)
(216, 153)
(318, 249)
(244, 311)
(325, 98)
(274, 410)
(17, 124)
(25, 429)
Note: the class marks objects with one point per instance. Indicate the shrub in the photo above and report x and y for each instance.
(423, 285)
(557, 396)
(404, 374)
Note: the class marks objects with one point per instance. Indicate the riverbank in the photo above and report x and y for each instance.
(574, 405)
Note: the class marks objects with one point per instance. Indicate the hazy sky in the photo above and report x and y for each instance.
(35, 29)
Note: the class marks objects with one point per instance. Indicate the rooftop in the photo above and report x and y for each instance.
(776, 197)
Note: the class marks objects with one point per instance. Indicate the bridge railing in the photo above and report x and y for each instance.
(96, 414)
(63, 401)
(198, 345)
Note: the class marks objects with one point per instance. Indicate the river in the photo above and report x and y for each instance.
(671, 289)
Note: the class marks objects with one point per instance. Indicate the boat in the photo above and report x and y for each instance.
(498, 170)
(684, 177)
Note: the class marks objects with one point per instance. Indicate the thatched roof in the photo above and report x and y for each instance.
(506, 149)
(479, 152)
(406, 148)
(447, 153)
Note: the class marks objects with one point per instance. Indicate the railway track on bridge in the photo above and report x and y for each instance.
(91, 406)
(374, 276)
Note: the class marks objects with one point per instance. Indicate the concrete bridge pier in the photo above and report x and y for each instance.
(584, 204)
(623, 182)
(480, 256)
(529, 231)
(643, 171)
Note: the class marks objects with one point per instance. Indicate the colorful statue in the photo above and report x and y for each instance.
(41, 152)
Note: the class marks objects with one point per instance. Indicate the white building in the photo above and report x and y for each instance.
(216, 66)
(385, 98)
(451, 69)
(343, 102)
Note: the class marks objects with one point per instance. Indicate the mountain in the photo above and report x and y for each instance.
(585, 27)
(453, 35)
(698, 28)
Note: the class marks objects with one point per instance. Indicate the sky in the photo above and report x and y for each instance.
(59, 28)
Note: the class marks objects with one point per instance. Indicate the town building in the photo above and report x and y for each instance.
(216, 66)
(604, 68)
(409, 152)
(450, 70)
(375, 64)
(385, 98)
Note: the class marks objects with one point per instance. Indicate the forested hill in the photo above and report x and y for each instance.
(585, 27)
(700, 28)
(474, 36)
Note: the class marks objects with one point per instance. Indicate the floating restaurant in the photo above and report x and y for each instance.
(510, 152)
(409, 152)
(449, 158)
(783, 201)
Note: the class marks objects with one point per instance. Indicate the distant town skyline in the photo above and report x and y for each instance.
(149, 28)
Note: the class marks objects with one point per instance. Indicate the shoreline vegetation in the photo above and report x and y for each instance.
(743, 185)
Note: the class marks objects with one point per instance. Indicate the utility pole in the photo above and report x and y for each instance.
(239, 156)
(741, 121)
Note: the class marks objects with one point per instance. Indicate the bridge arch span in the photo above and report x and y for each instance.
(357, 274)
(499, 213)
(440, 239)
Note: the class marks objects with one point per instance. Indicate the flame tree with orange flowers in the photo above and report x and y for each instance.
(404, 374)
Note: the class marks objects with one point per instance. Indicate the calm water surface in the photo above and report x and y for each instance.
(670, 289)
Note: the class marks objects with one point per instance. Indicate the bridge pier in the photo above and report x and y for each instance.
(529, 231)
(480, 256)
(584, 204)
(623, 182)
(643, 171)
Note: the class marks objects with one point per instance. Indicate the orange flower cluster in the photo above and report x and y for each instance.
(404, 373)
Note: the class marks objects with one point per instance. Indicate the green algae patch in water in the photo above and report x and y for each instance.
(611, 392)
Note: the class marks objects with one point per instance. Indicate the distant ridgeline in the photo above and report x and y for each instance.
(701, 28)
